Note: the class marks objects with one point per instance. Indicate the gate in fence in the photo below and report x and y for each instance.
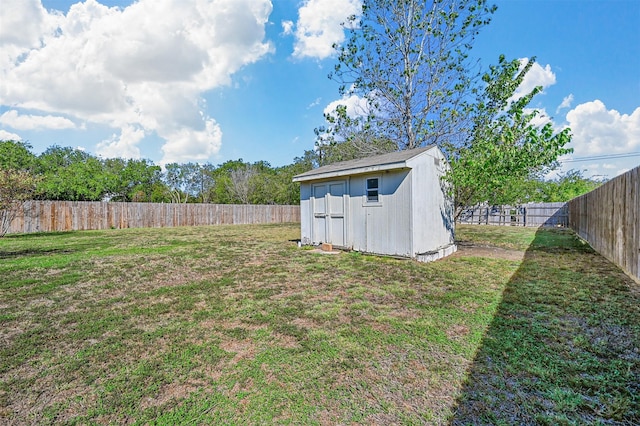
(532, 214)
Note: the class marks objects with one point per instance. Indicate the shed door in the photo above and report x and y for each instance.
(319, 214)
(328, 213)
(336, 213)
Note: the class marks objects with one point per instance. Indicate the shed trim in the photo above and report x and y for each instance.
(358, 171)
(380, 163)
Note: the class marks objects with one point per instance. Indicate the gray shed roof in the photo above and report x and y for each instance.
(391, 161)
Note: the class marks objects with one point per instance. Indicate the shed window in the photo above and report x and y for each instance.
(373, 190)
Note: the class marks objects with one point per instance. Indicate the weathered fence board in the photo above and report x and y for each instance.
(609, 219)
(48, 216)
(532, 214)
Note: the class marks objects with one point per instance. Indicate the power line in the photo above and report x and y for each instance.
(601, 157)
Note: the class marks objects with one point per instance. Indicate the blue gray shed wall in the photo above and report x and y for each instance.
(384, 227)
(432, 210)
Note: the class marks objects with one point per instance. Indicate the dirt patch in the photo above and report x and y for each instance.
(468, 249)
(287, 342)
(169, 392)
(457, 331)
(242, 349)
(306, 323)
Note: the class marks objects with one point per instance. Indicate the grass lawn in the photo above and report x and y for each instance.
(237, 325)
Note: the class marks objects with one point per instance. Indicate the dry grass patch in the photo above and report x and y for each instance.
(237, 325)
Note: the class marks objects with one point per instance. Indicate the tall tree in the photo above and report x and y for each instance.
(566, 186)
(288, 192)
(130, 180)
(207, 182)
(16, 155)
(410, 60)
(17, 180)
(70, 174)
(237, 182)
(506, 147)
(16, 187)
(349, 137)
(240, 183)
(184, 181)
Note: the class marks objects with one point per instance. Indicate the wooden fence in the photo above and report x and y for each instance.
(47, 216)
(609, 219)
(532, 214)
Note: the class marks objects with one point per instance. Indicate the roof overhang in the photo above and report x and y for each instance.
(351, 172)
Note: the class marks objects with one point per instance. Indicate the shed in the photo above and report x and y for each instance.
(392, 204)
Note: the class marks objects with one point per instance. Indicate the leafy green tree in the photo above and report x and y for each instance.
(221, 191)
(130, 180)
(70, 174)
(17, 180)
(16, 187)
(287, 191)
(566, 187)
(308, 161)
(237, 182)
(16, 155)
(410, 60)
(207, 182)
(263, 183)
(180, 180)
(159, 193)
(191, 182)
(505, 147)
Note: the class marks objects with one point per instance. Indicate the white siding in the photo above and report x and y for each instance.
(384, 227)
(432, 212)
(305, 213)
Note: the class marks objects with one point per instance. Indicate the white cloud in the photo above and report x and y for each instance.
(187, 145)
(597, 130)
(12, 119)
(18, 31)
(315, 103)
(566, 103)
(287, 27)
(142, 67)
(8, 136)
(124, 146)
(319, 26)
(356, 106)
(537, 76)
(541, 117)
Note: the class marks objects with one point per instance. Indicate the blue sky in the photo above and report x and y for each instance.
(216, 80)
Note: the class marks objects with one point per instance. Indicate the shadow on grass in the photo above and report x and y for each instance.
(38, 234)
(564, 344)
(32, 252)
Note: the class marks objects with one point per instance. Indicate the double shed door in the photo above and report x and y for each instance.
(329, 213)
